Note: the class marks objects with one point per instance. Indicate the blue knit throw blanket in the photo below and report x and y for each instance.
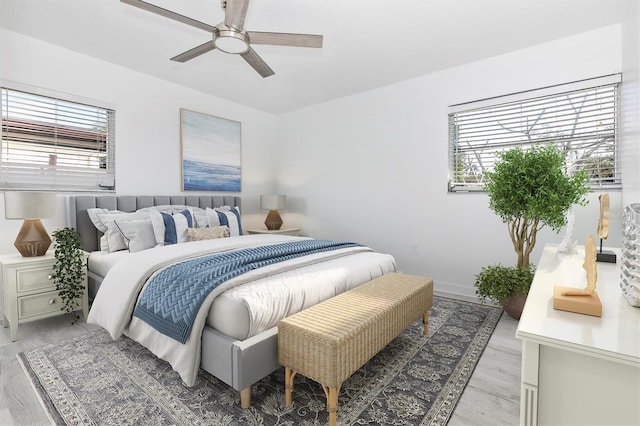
(173, 297)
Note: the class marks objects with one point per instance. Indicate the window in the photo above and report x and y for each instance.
(580, 118)
(55, 144)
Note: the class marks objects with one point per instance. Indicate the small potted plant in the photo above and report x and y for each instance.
(506, 286)
(528, 189)
(69, 268)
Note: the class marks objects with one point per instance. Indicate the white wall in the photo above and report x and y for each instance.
(372, 167)
(147, 123)
(630, 100)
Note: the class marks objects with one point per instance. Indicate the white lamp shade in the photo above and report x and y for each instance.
(29, 204)
(273, 202)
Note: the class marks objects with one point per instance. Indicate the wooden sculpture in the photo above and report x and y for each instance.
(603, 229)
(603, 222)
(586, 300)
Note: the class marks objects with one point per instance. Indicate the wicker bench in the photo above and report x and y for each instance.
(328, 342)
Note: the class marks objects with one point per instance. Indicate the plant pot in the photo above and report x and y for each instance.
(514, 305)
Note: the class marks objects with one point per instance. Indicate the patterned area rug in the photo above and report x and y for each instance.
(416, 379)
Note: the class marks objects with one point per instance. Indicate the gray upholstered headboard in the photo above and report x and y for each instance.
(78, 218)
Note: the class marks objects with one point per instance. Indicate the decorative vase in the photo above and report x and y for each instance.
(514, 305)
(630, 262)
(568, 244)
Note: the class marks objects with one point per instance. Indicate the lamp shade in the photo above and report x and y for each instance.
(29, 204)
(273, 202)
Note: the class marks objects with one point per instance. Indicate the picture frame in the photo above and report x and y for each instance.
(211, 150)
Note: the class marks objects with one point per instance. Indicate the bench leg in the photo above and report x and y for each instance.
(425, 321)
(289, 374)
(332, 403)
(245, 397)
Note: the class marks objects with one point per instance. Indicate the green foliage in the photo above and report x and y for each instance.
(499, 283)
(69, 269)
(529, 189)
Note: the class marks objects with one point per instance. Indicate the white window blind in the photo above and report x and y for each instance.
(580, 118)
(55, 144)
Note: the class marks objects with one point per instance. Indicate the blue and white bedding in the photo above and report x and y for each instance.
(172, 298)
(329, 272)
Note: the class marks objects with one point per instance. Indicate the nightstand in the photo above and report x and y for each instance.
(29, 291)
(287, 231)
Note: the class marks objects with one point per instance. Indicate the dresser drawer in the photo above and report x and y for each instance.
(35, 279)
(39, 304)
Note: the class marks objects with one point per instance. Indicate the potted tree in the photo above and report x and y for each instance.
(69, 268)
(528, 189)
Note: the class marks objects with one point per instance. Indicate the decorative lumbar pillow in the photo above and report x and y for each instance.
(209, 233)
(226, 216)
(176, 226)
(138, 234)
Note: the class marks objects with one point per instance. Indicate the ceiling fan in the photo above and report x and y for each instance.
(230, 36)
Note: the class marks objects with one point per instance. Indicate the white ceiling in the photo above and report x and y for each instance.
(367, 43)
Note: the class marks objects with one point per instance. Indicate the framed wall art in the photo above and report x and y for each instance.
(211, 152)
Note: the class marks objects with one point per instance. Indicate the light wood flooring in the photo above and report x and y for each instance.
(492, 396)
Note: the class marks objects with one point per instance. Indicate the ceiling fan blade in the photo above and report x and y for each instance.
(234, 13)
(257, 63)
(168, 14)
(285, 39)
(196, 51)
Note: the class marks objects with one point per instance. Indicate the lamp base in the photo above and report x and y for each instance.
(32, 240)
(273, 222)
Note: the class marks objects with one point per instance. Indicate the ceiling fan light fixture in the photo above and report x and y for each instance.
(231, 42)
(230, 35)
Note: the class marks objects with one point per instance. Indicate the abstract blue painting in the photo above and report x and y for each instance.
(211, 153)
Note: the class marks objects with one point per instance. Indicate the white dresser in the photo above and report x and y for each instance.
(578, 369)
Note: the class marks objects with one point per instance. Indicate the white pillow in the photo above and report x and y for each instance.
(168, 208)
(158, 226)
(226, 216)
(200, 217)
(93, 215)
(115, 240)
(138, 234)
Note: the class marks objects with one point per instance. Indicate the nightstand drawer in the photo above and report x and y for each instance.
(35, 279)
(39, 304)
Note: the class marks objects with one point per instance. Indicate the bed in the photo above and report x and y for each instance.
(240, 351)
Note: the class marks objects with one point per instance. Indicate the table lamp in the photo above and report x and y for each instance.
(273, 203)
(32, 240)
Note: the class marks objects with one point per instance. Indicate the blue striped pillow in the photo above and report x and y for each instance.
(176, 227)
(226, 216)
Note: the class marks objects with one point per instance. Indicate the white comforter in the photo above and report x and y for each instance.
(115, 301)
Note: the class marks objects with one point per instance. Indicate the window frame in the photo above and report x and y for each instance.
(76, 135)
(485, 158)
